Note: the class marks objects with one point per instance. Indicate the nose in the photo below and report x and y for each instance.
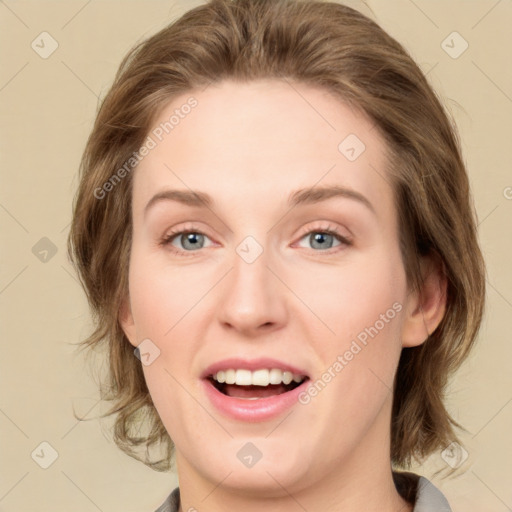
(253, 299)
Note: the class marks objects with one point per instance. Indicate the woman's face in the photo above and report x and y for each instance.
(292, 264)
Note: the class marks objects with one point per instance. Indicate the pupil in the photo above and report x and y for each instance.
(192, 238)
(321, 239)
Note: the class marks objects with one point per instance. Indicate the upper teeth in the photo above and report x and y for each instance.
(257, 378)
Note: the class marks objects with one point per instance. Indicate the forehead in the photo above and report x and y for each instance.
(261, 139)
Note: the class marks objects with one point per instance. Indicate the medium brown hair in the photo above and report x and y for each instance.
(321, 44)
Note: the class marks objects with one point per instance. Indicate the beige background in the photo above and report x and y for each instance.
(48, 106)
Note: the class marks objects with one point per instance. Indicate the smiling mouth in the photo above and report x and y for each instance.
(253, 392)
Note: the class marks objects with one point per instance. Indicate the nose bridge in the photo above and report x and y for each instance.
(250, 270)
(252, 296)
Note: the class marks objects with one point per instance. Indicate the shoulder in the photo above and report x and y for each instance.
(172, 503)
(420, 491)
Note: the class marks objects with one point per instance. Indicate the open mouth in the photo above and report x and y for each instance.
(249, 385)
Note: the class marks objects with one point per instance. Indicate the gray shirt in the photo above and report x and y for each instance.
(428, 499)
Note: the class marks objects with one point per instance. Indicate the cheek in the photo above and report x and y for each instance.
(356, 300)
(161, 296)
(363, 304)
(166, 307)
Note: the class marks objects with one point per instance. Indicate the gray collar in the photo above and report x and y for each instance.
(429, 498)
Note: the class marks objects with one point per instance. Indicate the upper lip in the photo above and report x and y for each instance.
(252, 364)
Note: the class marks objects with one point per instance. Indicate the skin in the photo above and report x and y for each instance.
(249, 146)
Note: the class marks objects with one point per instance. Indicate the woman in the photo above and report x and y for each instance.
(275, 218)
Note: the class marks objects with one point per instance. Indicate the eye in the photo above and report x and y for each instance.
(185, 241)
(325, 238)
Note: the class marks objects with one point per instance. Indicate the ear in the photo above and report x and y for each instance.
(126, 321)
(425, 307)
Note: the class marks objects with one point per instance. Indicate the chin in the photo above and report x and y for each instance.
(276, 468)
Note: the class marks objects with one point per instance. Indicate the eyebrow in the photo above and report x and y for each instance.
(195, 198)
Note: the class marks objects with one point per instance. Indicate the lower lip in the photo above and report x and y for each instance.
(252, 410)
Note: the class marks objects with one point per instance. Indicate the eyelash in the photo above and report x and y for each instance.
(167, 239)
